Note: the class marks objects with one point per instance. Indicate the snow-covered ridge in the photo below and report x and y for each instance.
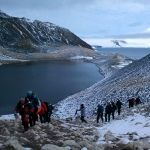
(34, 36)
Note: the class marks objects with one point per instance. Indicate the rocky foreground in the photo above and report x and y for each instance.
(130, 131)
(46, 136)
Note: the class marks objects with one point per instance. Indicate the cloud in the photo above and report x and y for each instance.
(130, 5)
(135, 24)
(85, 17)
(147, 30)
(45, 4)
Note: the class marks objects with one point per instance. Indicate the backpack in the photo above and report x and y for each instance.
(100, 109)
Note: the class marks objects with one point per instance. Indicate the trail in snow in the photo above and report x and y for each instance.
(133, 121)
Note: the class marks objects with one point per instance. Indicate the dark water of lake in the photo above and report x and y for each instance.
(51, 81)
(134, 53)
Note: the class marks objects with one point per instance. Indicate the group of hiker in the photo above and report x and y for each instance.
(31, 107)
(109, 109)
(134, 101)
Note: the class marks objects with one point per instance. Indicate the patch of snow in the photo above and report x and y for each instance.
(103, 61)
(7, 117)
(121, 128)
(26, 148)
(5, 57)
(8, 58)
(81, 57)
(17, 29)
(122, 64)
(67, 41)
(124, 141)
(84, 148)
(94, 47)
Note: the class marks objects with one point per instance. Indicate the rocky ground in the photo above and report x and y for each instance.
(127, 132)
(43, 136)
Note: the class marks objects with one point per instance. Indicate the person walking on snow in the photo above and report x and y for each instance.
(137, 101)
(131, 102)
(113, 107)
(82, 110)
(100, 110)
(119, 105)
(108, 111)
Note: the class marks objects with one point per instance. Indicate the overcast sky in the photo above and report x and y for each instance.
(86, 18)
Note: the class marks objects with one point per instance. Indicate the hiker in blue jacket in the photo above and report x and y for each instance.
(100, 110)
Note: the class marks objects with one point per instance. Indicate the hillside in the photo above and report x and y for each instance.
(131, 81)
(23, 35)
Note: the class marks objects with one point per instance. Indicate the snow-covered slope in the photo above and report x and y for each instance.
(23, 35)
(132, 80)
(131, 128)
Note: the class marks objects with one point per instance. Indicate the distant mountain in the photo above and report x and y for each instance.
(22, 35)
(96, 46)
(131, 81)
(119, 42)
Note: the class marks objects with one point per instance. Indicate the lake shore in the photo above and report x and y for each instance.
(69, 53)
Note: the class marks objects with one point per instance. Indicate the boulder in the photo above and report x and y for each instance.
(146, 145)
(89, 145)
(72, 144)
(147, 125)
(137, 145)
(84, 148)
(5, 132)
(111, 147)
(110, 137)
(69, 119)
(13, 144)
(54, 147)
(50, 126)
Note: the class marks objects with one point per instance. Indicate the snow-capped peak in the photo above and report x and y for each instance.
(3, 15)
